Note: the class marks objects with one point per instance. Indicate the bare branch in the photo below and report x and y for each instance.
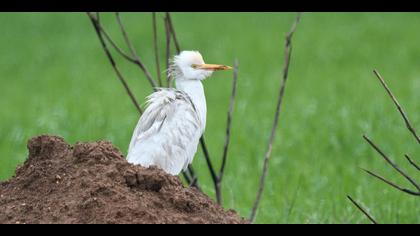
(397, 104)
(134, 53)
(156, 49)
(362, 210)
(168, 48)
(95, 23)
(412, 162)
(172, 31)
(396, 167)
(229, 118)
(111, 41)
(209, 163)
(287, 56)
(134, 58)
(228, 128)
(391, 183)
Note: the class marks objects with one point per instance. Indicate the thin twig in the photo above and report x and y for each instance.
(156, 49)
(228, 132)
(396, 167)
(208, 161)
(391, 183)
(412, 162)
(112, 61)
(397, 104)
(113, 44)
(132, 59)
(134, 53)
(172, 31)
(213, 175)
(168, 48)
(287, 56)
(362, 210)
(229, 118)
(122, 53)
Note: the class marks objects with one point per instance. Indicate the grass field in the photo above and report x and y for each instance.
(56, 79)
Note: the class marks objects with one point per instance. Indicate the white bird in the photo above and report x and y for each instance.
(168, 132)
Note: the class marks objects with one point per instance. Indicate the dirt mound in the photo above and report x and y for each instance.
(93, 183)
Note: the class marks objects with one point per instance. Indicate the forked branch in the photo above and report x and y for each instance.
(387, 159)
(396, 167)
(95, 21)
(134, 54)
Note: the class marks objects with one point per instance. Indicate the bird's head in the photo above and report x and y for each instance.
(189, 65)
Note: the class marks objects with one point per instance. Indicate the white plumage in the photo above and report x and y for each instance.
(168, 132)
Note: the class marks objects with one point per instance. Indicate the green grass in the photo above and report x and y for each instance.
(56, 79)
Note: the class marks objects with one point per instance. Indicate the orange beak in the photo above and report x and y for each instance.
(212, 67)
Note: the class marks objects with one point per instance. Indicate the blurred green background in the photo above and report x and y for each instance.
(55, 79)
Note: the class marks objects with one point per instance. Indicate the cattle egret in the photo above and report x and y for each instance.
(168, 132)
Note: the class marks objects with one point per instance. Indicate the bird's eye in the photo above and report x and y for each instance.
(194, 66)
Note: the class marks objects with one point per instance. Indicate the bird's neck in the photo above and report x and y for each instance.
(195, 90)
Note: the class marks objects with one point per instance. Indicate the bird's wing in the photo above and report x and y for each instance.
(169, 125)
(158, 108)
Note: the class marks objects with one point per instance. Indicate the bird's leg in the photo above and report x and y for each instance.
(186, 177)
(194, 179)
(190, 178)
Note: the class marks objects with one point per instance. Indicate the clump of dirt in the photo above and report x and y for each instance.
(93, 183)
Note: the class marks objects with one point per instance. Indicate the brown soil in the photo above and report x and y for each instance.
(93, 183)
